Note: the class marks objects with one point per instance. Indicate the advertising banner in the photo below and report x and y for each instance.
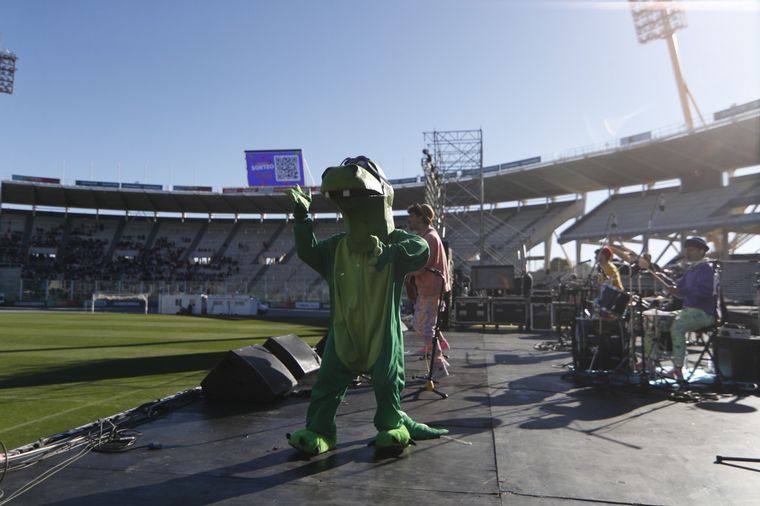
(274, 167)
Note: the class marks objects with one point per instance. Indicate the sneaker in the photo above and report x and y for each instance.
(675, 373)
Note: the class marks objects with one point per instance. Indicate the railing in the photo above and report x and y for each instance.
(75, 293)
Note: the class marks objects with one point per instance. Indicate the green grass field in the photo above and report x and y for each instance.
(62, 370)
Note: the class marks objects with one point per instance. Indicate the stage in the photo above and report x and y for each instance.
(520, 434)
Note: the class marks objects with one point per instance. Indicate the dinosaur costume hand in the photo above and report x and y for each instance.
(301, 201)
(383, 254)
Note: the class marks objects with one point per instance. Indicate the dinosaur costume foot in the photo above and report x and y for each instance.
(420, 430)
(310, 443)
(394, 439)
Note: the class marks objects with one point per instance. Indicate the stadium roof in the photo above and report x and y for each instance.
(729, 143)
(718, 147)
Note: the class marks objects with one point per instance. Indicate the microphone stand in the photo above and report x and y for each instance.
(429, 385)
(631, 330)
(659, 202)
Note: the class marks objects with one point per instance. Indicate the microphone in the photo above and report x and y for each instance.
(584, 262)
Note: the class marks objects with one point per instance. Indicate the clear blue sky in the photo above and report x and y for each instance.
(184, 87)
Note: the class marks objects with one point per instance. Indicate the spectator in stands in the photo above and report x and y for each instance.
(427, 283)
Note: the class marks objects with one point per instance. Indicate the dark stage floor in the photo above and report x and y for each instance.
(520, 434)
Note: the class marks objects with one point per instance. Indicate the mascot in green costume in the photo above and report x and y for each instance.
(365, 268)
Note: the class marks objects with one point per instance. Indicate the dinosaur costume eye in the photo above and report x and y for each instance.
(366, 164)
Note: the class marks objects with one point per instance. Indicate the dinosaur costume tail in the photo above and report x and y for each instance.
(420, 430)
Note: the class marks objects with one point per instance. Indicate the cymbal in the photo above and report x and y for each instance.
(626, 254)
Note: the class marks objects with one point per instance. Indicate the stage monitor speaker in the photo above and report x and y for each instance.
(738, 358)
(297, 356)
(248, 374)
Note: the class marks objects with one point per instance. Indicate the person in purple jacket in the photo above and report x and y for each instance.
(697, 289)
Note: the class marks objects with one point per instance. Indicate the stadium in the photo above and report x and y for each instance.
(160, 340)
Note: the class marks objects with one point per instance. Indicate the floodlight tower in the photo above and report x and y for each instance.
(7, 71)
(661, 19)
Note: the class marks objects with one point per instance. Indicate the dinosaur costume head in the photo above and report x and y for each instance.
(360, 190)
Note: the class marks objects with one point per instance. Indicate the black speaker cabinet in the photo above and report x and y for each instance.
(543, 296)
(471, 310)
(564, 313)
(509, 311)
(738, 358)
(248, 374)
(297, 356)
(541, 316)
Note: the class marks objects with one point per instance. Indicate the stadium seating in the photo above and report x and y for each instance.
(630, 212)
(12, 228)
(251, 256)
(505, 230)
(258, 256)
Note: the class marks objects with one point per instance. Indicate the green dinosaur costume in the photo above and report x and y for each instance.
(365, 269)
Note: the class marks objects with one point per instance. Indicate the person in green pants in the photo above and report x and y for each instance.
(365, 269)
(698, 289)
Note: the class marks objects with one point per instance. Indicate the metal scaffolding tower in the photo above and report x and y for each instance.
(449, 155)
(448, 158)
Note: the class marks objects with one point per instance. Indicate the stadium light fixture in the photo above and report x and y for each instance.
(7, 71)
(661, 19)
(656, 19)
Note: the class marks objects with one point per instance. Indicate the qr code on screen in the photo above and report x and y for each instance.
(286, 168)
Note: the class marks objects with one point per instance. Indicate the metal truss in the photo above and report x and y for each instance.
(449, 157)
